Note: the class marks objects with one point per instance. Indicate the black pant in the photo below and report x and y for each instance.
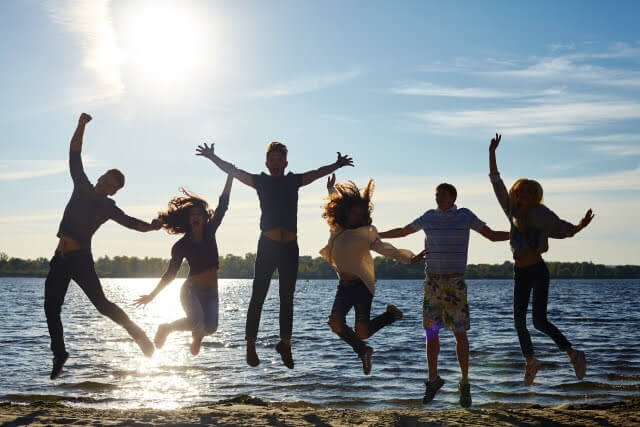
(77, 265)
(534, 278)
(273, 255)
(354, 293)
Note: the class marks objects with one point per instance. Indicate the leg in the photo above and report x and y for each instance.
(337, 320)
(191, 298)
(288, 270)
(540, 285)
(433, 350)
(365, 328)
(462, 351)
(521, 293)
(210, 305)
(432, 321)
(55, 289)
(264, 267)
(84, 273)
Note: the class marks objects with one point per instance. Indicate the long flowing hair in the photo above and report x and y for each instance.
(525, 185)
(176, 219)
(343, 199)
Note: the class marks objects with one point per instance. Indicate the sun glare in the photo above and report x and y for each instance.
(165, 43)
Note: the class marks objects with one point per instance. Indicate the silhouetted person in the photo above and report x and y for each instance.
(532, 224)
(88, 208)
(445, 291)
(190, 215)
(348, 213)
(278, 246)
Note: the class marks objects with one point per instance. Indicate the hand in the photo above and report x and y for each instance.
(143, 300)
(331, 181)
(84, 118)
(156, 224)
(495, 142)
(420, 257)
(205, 151)
(585, 221)
(344, 160)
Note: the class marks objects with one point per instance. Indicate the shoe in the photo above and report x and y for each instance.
(531, 370)
(252, 356)
(161, 335)
(195, 344)
(579, 361)
(285, 354)
(395, 312)
(431, 388)
(366, 360)
(58, 363)
(465, 394)
(145, 344)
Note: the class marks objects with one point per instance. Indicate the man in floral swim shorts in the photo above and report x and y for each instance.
(445, 292)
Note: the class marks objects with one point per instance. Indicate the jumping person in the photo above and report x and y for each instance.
(532, 224)
(190, 215)
(445, 291)
(88, 208)
(348, 213)
(278, 246)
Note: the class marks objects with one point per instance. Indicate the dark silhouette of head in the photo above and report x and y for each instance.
(347, 207)
(446, 195)
(276, 158)
(185, 212)
(110, 182)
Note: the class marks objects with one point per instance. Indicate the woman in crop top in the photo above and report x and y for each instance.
(348, 213)
(532, 223)
(199, 294)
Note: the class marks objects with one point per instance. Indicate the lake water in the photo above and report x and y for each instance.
(106, 368)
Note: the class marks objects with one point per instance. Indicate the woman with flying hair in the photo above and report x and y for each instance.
(190, 215)
(532, 224)
(348, 213)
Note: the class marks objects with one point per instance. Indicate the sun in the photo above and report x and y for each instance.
(165, 43)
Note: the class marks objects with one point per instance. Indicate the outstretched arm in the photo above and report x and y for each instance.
(223, 204)
(167, 277)
(76, 140)
(309, 177)
(498, 185)
(208, 152)
(494, 236)
(493, 166)
(398, 232)
(134, 223)
(584, 221)
(75, 148)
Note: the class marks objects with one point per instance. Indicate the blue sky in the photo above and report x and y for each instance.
(412, 90)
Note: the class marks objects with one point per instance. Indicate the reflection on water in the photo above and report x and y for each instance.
(106, 368)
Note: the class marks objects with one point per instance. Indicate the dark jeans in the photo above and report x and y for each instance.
(533, 278)
(273, 255)
(354, 293)
(77, 265)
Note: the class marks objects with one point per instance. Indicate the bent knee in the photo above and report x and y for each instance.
(335, 323)
(362, 330)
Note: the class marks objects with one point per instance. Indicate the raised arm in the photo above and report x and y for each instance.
(223, 204)
(498, 185)
(167, 277)
(556, 228)
(133, 223)
(75, 148)
(241, 175)
(398, 232)
(494, 236)
(310, 176)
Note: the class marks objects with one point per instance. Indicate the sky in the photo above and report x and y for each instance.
(413, 91)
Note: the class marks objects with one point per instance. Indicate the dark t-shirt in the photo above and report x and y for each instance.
(278, 200)
(200, 255)
(86, 211)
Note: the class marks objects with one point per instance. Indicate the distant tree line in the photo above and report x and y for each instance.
(236, 267)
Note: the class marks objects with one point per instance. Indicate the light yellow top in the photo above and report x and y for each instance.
(349, 252)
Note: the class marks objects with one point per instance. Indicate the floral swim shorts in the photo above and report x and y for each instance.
(445, 301)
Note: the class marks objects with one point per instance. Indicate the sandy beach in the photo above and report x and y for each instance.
(246, 411)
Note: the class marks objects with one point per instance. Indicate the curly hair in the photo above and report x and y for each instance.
(345, 197)
(529, 186)
(176, 219)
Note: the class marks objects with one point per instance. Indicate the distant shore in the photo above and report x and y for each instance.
(253, 412)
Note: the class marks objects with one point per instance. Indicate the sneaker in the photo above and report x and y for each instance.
(465, 394)
(161, 335)
(145, 344)
(531, 370)
(431, 388)
(366, 360)
(579, 361)
(58, 363)
(395, 312)
(285, 354)
(195, 344)
(252, 356)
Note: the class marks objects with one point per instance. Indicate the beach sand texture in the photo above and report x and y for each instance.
(246, 411)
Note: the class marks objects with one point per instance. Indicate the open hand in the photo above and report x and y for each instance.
(586, 220)
(495, 142)
(419, 257)
(331, 180)
(143, 300)
(84, 118)
(344, 160)
(205, 151)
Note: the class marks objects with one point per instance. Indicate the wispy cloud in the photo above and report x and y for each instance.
(12, 170)
(430, 89)
(617, 150)
(306, 84)
(90, 21)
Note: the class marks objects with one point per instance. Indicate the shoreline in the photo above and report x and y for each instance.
(244, 410)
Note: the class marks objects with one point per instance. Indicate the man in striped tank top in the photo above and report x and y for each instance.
(445, 291)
